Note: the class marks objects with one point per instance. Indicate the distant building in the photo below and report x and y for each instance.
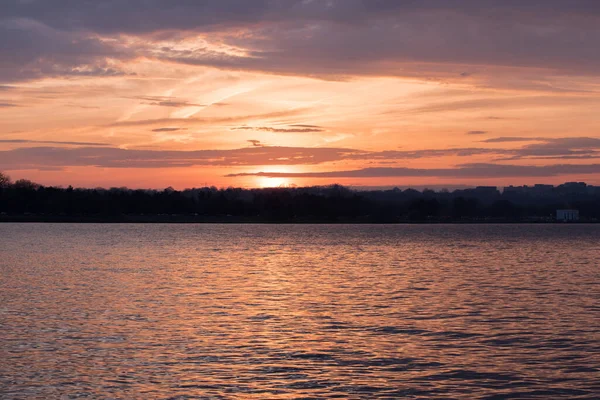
(542, 189)
(567, 215)
(488, 189)
(573, 187)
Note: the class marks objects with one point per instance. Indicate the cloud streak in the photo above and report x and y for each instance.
(208, 121)
(297, 129)
(465, 171)
(27, 141)
(259, 155)
(168, 129)
(35, 157)
(165, 101)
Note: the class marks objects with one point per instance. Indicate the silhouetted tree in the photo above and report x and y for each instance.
(4, 180)
(26, 184)
(333, 203)
(464, 207)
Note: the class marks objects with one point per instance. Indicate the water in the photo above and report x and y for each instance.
(299, 311)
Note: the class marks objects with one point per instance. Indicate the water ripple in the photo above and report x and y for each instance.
(302, 312)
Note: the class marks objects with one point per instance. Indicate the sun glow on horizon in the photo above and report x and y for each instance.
(274, 181)
(267, 182)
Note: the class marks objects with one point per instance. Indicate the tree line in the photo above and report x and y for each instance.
(26, 200)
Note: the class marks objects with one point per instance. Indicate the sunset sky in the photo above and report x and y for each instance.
(188, 93)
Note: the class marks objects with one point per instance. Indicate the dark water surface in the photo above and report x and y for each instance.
(299, 311)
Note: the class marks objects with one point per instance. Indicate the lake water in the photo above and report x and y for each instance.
(299, 311)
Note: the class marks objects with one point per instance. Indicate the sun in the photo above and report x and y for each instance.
(266, 182)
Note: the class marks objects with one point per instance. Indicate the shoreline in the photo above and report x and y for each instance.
(182, 219)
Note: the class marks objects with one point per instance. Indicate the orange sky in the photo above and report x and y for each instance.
(334, 92)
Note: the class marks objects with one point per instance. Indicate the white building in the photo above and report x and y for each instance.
(567, 215)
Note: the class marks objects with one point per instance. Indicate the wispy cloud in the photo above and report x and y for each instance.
(462, 171)
(509, 139)
(557, 148)
(168, 129)
(165, 101)
(82, 106)
(211, 120)
(27, 141)
(306, 126)
(294, 129)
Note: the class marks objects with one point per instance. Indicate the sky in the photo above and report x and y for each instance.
(191, 93)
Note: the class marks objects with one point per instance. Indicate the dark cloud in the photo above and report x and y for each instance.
(509, 139)
(306, 126)
(115, 16)
(168, 129)
(258, 154)
(582, 156)
(426, 153)
(295, 129)
(549, 148)
(550, 143)
(35, 157)
(256, 143)
(464, 171)
(8, 105)
(319, 38)
(568, 142)
(26, 141)
(560, 148)
(414, 40)
(557, 148)
(476, 132)
(30, 49)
